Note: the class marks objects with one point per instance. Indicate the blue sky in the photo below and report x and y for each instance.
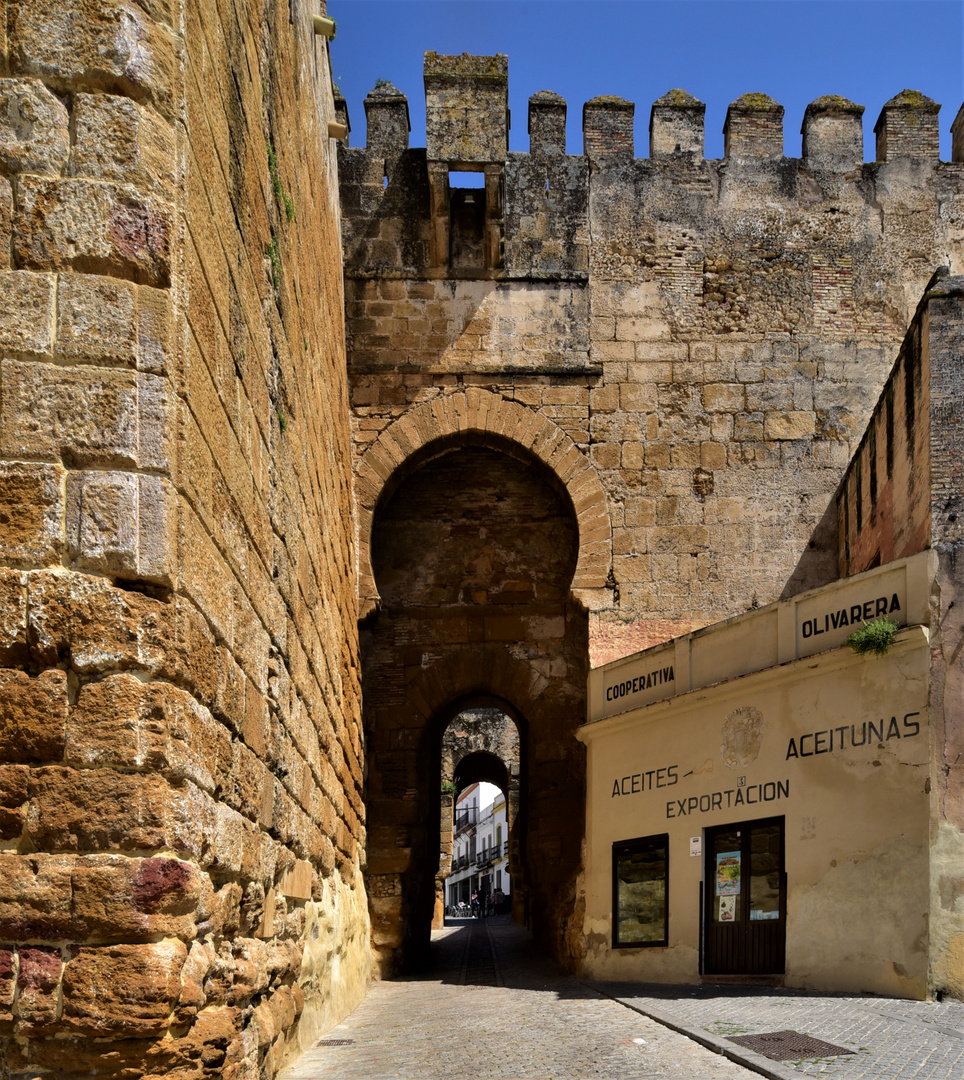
(793, 50)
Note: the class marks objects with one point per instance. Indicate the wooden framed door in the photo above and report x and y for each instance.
(744, 899)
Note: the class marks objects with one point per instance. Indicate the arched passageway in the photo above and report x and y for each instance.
(480, 746)
(480, 767)
(473, 552)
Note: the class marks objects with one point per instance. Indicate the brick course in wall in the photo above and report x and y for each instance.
(181, 814)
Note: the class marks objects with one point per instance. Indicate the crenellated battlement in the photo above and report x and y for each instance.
(676, 125)
(907, 127)
(670, 217)
(467, 121)
(833, 137)
(753, 129)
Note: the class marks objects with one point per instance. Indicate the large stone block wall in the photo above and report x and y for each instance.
(181, 822)
(743, 314)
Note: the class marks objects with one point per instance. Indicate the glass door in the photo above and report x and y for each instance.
(744, 891)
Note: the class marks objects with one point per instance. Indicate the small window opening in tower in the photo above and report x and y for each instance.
(466, 219)
(465, 178)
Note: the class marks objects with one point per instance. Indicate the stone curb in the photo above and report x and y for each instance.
(741, 1055)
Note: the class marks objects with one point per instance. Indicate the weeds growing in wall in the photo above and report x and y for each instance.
(875, 637)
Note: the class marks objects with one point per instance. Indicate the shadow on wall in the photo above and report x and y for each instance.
(818, 564)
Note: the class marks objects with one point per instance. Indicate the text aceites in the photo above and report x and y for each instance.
(742, 795)
(635, 783)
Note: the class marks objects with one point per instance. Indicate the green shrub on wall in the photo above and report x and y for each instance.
(875, 637)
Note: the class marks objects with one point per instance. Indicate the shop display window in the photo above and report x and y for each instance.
(641, 892)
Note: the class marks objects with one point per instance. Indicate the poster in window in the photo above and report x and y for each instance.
(727, 912)
(728, 873)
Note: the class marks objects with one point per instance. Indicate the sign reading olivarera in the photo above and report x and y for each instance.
(852, 615)
(820, 622)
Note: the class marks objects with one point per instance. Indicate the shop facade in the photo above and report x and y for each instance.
(760, 798)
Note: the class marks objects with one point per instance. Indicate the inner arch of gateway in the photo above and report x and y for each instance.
(475, 545)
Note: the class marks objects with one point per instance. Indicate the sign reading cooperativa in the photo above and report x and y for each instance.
(636, 684)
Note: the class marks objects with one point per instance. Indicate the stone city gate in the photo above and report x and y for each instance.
(182, 762)
(682, 350)
(480, 539)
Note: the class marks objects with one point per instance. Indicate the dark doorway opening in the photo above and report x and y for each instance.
(473, 549)
(745, 905)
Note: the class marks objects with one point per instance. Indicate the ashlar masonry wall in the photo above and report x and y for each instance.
(711, 334)
(181, 823)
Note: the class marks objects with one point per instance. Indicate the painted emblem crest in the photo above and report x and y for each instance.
(742, 733)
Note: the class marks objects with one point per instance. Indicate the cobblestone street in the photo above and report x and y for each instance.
(493, 1009)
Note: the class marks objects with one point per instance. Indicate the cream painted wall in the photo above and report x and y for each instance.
(856, 816)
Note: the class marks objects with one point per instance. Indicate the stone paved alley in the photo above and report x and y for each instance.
(493, 1009)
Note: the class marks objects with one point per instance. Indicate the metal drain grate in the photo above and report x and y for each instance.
(788, 1045)
(334, 1042)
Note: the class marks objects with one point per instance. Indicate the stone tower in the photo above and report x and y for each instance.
(181, 814)
(677, 355)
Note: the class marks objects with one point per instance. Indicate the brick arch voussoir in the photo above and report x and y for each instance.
(478, 417)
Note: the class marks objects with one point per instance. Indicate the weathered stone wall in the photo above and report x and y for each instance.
(742, 316)
(707, 338)
(942, 328)
(884, 499)
(903, 494)
(181, 825)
